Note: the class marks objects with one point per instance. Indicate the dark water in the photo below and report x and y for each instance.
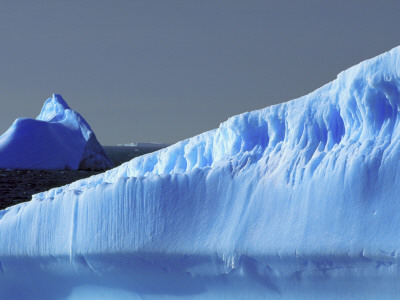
(121, 154)
(18, 186)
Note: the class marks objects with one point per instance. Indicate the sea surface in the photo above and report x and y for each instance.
(18, 186)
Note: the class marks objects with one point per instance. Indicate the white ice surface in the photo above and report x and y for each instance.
(59, 138)
(297, 200)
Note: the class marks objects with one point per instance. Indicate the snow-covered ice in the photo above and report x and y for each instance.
(297, 200)
(59, 138)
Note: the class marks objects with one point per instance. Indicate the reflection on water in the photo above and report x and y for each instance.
(18, 186)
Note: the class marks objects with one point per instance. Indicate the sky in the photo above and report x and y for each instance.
(163, 71)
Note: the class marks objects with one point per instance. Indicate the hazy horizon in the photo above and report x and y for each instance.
(164, 71)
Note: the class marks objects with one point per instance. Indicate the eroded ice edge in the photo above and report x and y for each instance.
(297, 200)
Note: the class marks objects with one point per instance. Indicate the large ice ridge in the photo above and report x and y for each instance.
(273, 202)
(59, 138)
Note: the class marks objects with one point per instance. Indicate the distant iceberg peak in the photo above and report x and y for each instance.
(59, 99)
(59, 138)
(53, 107)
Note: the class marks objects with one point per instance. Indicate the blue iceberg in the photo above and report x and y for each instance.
(297, 200)
(59, 138)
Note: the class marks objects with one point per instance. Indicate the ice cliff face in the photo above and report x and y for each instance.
(316, 174)
(305, 188)
(59, 138)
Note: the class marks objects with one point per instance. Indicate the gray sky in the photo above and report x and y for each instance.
(163, 71)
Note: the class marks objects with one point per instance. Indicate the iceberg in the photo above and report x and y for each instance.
(297, 200)
(59, 138)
